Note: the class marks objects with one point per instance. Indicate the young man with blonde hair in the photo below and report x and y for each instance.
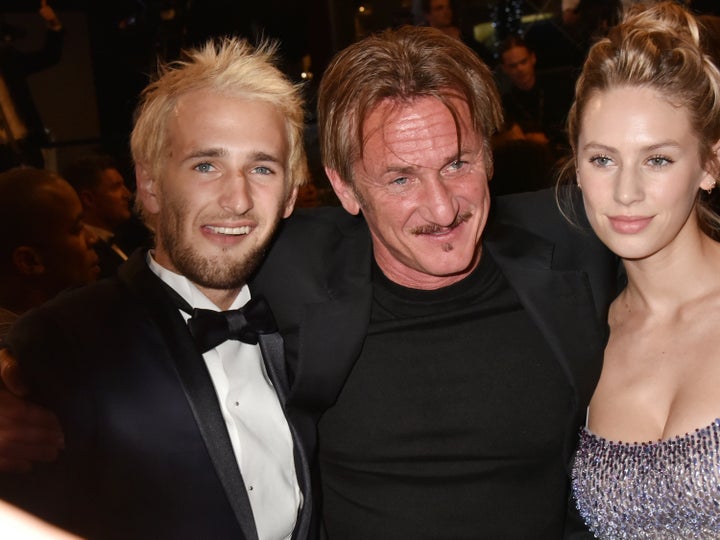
(173, 411)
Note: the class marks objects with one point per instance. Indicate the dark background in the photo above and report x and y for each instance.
(113, 46)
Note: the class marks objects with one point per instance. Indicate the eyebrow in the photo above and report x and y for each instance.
(264, 156)
(598, 146)
(401, 170)
(257, 155)
(520, 61)
(205, 152)
(464, 152)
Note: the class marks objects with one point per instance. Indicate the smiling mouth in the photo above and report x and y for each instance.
(433, 228)
(229, 231)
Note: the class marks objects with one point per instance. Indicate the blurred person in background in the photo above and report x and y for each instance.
(45, 247)
(106, 205)
(22, 133)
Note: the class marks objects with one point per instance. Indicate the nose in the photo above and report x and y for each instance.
(628, 186)
(235, 196)
(440, 205)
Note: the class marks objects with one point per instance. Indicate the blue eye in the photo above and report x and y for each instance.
(401, 181)
(203, 167)
(659, 161)
(263, 170)
(600, 161)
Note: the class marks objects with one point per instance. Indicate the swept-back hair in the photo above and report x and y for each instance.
(401, 65)
(657, 47)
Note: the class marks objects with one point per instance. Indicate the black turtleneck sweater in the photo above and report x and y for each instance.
(452, 422)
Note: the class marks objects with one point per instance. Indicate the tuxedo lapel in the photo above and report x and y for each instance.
(273, 354)
(332, 333)
(330, 341)
(559, 302)
(196, 381)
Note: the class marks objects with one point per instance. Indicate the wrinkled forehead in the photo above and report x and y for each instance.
(421, 134)
(416, 117)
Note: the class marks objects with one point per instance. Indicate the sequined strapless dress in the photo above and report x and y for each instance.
(666, 489)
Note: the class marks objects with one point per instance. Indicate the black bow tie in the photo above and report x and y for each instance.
(211, 328)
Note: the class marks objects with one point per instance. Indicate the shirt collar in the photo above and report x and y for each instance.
(102, 234)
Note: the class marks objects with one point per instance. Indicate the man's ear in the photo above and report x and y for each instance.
(87, 198)
(290, 202)
(28, 261)
(147, 189)
(344, 192)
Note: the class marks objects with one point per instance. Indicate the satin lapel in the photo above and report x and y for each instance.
(316, 279)
(559, 302)
(271, 346)
(331, 338)
(196, 380)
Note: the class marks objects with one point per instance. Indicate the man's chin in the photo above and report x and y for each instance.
(454, 264)
(219, 273)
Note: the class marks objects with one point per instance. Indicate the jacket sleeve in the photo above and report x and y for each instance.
(53, 491)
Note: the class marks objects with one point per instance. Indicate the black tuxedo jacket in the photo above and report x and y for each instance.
(317, 277)
(147, 452)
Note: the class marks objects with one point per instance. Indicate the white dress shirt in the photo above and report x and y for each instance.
(107, 236)
(255, 421)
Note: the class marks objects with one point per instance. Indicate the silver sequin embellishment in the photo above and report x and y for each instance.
(667, 489)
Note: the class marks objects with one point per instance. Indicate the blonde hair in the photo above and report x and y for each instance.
(656, 47)
(230, 67)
